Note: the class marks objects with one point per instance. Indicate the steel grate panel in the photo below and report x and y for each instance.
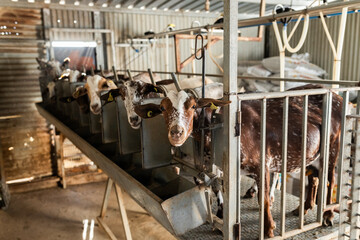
(250, 215)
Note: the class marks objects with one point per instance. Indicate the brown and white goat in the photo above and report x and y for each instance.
(179, 112)
(133, 92)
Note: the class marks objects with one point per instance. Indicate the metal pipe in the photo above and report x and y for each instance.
(303, 161)
(130, 76)
(238, 203)
(262, 168)
(326, 118)
(113, 50)
(294, 93)
(115, 74)
(82, 30)
(176, 82)
(151, 76)
(342, 145)
(327, 9)
(314, 81)
(284, 164)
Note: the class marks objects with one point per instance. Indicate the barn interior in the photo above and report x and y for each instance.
(168, 119)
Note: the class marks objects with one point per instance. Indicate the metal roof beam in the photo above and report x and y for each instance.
(127, 3)
(155, 3)
(180, 4)
(283, 2)
(192, 5)
(140, 3)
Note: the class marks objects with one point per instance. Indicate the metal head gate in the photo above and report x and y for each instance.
(343, 164)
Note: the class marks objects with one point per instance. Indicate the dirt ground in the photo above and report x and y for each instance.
(59, 214)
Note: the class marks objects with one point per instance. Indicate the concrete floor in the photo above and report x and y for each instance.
(59, 213)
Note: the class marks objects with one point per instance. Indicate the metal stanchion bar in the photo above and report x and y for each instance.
(284, 164)
(262, 168)
(303, 161)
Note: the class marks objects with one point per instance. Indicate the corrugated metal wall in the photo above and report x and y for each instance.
(319, 48)
(127, 25)
(71, 19)
(25, 139)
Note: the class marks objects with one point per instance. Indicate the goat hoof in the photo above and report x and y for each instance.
(219, 213)
(296, 212)
(270, 233)
(328, 217)
(250, 193)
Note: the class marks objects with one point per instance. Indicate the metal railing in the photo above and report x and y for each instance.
(343, 164)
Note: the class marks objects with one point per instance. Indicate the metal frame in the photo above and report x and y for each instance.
(327, 93)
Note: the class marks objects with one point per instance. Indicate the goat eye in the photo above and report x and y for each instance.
(162, 108)
(194, 106)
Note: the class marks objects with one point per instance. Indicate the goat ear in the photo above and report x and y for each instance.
(80, 92)
(212, 103)
(149, 88)
(165, 82)
(110, 96)
(148, 110)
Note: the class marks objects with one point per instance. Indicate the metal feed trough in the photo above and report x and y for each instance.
(172, 200)
(76, 115)
(116, 128)
(155, 145)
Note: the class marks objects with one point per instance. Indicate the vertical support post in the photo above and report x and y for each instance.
(355, 181)
(344, 165)
(284, 163)
(177, 54)
(261, 13)
(342, 146)
(262, 168)
(61, 167)
(98, 38)
(122, 208)
(167, 53)
(230, 141)
(303, 161)
(326, 121)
